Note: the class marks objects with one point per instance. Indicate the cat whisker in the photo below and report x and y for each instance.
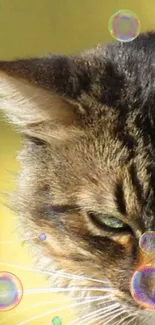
(103, 316)
(91, 317)
(45, 303)
(53, 311)
(58, 290)
(77, 277)
(131, 320)
(62, 289)
(103, 289)
(86, 316)
(116, 315)
(71, 276)
(123, 319)
(34, 318)
(145, 320)
(100, 315)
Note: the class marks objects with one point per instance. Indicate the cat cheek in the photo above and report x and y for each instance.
(126, 241)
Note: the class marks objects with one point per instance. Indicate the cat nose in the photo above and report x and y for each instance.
(142, 287)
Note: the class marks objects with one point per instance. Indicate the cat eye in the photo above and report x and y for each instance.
(113, 222)
(108, 222)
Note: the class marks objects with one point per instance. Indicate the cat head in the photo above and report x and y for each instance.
(87, 178)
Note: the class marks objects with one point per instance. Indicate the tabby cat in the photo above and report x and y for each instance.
(87, 175)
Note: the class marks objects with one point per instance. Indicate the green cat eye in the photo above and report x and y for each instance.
(107, 221)
(113, 222)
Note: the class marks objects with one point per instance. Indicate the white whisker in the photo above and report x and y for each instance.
(92, 313)
(109, 319)
(48, 302)
(100, 315)
(123, 319)
(58, 290)
(58, 273)
(77, 277)
(92, 318)
(131, 320)
(53, 311)
(118, 314)
(86, 317)
(51, 290)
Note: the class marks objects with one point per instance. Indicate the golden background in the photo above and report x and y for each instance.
(30, 28)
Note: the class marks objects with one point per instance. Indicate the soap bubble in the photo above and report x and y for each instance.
(147, 242)
(11, 291)
(124, 25)
(142, 287)
(42, 236)
(56, 321)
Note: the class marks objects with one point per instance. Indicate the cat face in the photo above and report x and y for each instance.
(87, 169)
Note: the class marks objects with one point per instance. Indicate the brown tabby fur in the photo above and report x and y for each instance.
(88, 124)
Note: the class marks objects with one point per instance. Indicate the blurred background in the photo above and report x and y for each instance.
(30, 28)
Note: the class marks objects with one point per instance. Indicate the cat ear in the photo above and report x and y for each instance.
(40, 96)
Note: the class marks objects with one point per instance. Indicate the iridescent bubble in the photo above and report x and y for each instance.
(147, 242)
(11, 291)
(42, 236)
(56, 321)
(124, 25)
(142, 287)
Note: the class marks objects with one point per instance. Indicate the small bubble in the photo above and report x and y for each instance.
(147, 242)
(11, 291)
(56, 321)
(124, 25)
(42, 236)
